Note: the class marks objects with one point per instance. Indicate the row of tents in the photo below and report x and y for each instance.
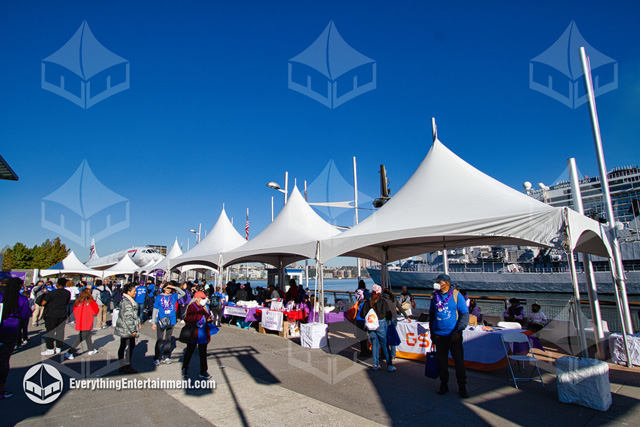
(446, 204)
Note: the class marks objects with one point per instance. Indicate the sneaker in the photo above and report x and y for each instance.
(185, 374)
(5, 395)
(92, 352)
(58, 350)
(391, 368)
(182, 321)
(205, 375)
(104, 327)
(167, 361)
(69, 356)
(48, 353)
(156, 362)
(376, 368)
(222, 366)
(19, 345)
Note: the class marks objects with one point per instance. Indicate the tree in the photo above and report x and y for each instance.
(40, 256)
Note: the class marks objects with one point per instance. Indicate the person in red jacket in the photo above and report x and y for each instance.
(84, 310)
(198, 314)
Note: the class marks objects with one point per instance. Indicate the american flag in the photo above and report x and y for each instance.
(246, 227)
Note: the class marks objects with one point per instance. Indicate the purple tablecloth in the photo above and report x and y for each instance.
(328, 317)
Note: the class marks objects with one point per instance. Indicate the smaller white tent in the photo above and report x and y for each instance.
(125, 266)
(163, 264)
(70, 265)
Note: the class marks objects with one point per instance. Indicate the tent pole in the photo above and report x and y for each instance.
(592, 288)
(576, 297)
(621, 314)
(445, 256)
(383, 269)
(606, 194)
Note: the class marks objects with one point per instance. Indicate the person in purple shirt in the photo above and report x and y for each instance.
(15, 310)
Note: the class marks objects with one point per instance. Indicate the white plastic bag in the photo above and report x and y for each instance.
(371, 320)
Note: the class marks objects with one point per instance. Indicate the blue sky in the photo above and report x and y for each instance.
(208, 117)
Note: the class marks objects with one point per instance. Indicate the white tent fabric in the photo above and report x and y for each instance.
(222, 237)
(163, 264)
(292, 236)
(447, 203)
(124, 266)
(70, 265)
(147, 268)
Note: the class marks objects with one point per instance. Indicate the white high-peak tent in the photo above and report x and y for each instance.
(447, 203)
(292, 236)
(70, 265)
(207, 254)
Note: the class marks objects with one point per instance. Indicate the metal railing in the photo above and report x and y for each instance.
(495, 306)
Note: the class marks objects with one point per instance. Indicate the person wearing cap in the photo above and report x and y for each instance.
(448, 317)
(198, 314)
(378, 337)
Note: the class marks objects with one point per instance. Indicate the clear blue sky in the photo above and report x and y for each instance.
(208, 118)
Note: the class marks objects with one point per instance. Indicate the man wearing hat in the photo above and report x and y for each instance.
(448, 317)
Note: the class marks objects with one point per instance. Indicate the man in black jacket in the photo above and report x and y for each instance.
(55, 315)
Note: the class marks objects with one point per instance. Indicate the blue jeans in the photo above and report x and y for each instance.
(379, 340)
(392, 348)
(141, 312)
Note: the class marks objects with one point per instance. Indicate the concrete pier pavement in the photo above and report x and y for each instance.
(263, 380)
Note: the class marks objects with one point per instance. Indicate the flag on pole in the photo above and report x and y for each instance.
(246, 227)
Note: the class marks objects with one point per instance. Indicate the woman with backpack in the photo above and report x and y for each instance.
(163, 319)
(378, 336)
(127, 327)
(15, 310)
(85, 309)
(184, 301)
(197, 315)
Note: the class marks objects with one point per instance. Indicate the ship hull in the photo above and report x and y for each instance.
(512, 282)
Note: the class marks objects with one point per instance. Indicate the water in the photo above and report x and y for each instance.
(553, 304)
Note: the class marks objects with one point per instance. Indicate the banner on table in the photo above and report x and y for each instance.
(235, 311)
(415, 340)
(272, 320)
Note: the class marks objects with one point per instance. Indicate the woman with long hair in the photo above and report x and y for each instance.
(163, 320)
(127, 327)
(85, 309)
(15, 310)
(197, 314)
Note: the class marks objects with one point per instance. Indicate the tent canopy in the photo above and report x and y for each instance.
(447, 203)
(70, 265)
(222, 237)
(162, 264)
(124, 266)
(291, 237)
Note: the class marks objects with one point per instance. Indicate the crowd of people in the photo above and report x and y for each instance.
(199, 308)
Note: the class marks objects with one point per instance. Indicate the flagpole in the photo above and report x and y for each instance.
(355, 207)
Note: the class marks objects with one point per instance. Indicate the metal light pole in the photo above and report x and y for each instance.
(620, 285)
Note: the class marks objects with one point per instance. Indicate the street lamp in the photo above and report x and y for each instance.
(274, 185)
(197, 233)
